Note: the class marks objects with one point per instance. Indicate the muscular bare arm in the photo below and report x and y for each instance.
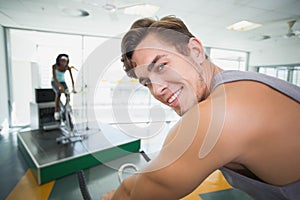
(178, 170)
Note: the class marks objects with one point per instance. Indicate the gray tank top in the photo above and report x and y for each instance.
(259, 190)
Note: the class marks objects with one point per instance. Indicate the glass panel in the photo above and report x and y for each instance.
(267, 71)
(32, 69)
(282, 73)
(296, 76)
(23, 52)
(33, 54)
(229, 59)
(115, 92)
(285, 72)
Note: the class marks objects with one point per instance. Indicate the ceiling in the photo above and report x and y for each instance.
(206, 19)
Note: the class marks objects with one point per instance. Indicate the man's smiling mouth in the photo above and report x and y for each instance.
(174, 96)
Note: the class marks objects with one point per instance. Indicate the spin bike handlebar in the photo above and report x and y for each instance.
(126, 166)
(67, 92)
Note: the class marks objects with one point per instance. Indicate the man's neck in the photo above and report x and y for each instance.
(209, 72)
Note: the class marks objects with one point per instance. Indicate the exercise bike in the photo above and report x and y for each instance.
(67, 125)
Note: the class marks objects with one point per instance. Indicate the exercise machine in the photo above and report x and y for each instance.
(68, 127)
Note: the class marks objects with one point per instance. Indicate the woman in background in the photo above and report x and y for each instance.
(58, 80)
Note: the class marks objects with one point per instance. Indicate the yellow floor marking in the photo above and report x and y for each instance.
(27, 188)
(214, 182)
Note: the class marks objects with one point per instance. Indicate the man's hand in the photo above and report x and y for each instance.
(108, 196)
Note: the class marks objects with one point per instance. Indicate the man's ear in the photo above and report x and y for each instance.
(196, 50)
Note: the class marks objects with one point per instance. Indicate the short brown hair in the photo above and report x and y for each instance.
(170, 29)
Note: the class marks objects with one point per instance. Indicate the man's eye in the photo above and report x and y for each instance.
(146, 83)
(161, 67)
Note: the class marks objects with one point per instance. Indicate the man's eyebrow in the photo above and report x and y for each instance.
(151, 65)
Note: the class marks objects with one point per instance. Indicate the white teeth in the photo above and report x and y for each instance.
(175, 95)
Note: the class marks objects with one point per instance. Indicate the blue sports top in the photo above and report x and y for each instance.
(60, 76)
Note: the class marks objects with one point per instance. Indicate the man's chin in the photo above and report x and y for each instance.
(179, 111)
(182, 110)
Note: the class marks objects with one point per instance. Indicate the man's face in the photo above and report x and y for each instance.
(63, 62)
(171, 77)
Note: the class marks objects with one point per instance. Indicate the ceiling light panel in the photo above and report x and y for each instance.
(243, 26)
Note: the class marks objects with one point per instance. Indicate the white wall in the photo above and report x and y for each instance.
(3, 80)
(276, 56)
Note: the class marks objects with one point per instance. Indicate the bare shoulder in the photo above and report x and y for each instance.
(251, 105)
(263, 119)
(236, 113)
(230, 117)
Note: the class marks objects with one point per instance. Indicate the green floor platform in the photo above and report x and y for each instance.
(50, 160)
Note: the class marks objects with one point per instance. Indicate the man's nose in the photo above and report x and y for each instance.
(159, 87)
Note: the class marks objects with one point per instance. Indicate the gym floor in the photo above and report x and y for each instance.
(18, 182)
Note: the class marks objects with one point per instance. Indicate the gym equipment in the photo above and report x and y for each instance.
(44, 95)
(82, 181)
(82, 185)
(42, 110)
(70, 133)
(42, 116)
(123, 168)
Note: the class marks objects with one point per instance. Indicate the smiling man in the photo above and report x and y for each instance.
(245, 124)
